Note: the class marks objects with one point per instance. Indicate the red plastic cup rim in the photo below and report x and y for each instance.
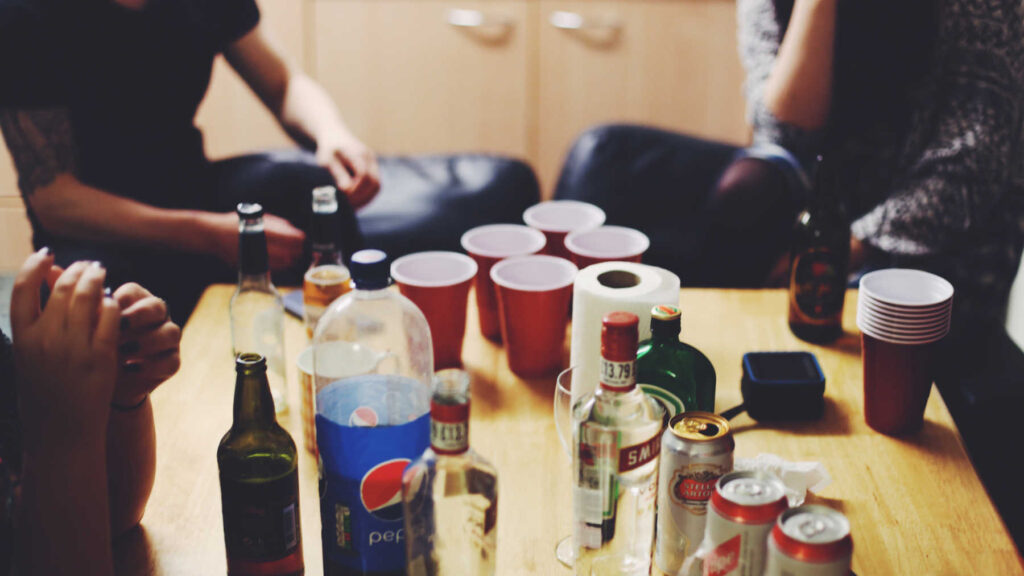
(904, 311)
(891, 338)
(503, 240)
(905, 288)
(435, 269)
(900, 323)
(534, 273)
(902, 330)
(563, 216)
(911, 319)
(608, 243)
(908, 334)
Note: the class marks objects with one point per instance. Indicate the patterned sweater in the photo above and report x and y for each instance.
(945, 193)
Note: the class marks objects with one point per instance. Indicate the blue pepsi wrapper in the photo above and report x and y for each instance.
(368, 430)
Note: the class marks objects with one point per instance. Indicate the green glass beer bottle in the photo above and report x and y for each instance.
(674, 373)
(819, 258)
(259, 481)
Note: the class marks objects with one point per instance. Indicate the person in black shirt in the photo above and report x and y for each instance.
(97, 105)
(77, 441)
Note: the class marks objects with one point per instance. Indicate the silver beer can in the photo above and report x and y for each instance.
(810, 541)
(696, 450)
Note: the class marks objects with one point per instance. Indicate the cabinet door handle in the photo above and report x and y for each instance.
(574, 21)
(464, 18)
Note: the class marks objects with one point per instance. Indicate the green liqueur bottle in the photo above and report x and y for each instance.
(259, 481)
(673, 372)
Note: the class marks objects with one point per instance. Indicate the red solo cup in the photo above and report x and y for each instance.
(488, 245)
(897, 381)
(534, 293)
(438, 283)
(557, 218)
(606, 244)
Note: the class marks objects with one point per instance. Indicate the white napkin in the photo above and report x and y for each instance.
(799, 477)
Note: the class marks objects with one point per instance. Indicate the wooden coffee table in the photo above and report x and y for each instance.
(916, 504)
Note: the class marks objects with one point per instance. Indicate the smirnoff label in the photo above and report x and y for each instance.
(449, 428)
(633, 457)
(618, 376)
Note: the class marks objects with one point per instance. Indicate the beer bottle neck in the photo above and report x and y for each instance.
(254, 405)
(324, 236)
(252, 253)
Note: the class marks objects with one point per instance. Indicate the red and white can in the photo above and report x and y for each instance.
(743, 510)
(810, 541)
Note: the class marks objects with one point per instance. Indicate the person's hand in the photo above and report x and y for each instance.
(148, 353)
(354, 167)
(65, 355)
(284, 241)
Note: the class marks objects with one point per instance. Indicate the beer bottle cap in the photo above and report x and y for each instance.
(620, 332)
(370, 270)
(248, 210)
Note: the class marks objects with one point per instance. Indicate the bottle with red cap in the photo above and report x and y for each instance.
(450, 493)
(615, 458)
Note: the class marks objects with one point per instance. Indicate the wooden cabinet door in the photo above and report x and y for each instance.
(667, 63)
(232, 118)
(421, 76)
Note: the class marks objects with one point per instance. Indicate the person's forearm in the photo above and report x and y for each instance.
(63, 521)
(70, 208)
(131, 465)
(799, 89)
(308, 113)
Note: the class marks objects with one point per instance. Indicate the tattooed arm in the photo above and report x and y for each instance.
(42, 145)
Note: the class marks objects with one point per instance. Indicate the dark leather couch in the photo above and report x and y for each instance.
(429, 201)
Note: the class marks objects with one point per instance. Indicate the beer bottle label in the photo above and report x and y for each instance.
(817, 287)
(261, 519)
(671, 403)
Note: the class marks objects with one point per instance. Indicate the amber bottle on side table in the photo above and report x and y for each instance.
(819, 258)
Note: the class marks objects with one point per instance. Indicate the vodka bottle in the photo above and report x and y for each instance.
(615, 459)
(450, 494)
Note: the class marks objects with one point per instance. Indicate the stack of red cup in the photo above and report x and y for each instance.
(902, 315)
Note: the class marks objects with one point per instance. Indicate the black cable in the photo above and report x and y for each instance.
(733, 412)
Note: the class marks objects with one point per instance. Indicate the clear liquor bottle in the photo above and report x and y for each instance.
(256, 308)
(676, 374)
(450, 494)
(615, 459)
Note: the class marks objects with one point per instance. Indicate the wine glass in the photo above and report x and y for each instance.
(565, 407)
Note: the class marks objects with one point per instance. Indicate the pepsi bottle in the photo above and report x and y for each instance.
(373, 365)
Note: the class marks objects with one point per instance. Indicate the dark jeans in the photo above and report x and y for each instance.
(716, 215)
(280, 181)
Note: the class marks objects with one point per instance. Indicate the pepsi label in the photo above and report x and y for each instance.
(368, 430)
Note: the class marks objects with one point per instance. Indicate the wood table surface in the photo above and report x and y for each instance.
(915, 504)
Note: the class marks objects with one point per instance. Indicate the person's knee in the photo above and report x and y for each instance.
(750, 189)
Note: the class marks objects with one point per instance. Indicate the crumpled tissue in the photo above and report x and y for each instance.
(798, 477)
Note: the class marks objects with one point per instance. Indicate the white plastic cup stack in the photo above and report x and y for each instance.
(903, 306)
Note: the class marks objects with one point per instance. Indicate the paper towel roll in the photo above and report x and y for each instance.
(608, 287)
